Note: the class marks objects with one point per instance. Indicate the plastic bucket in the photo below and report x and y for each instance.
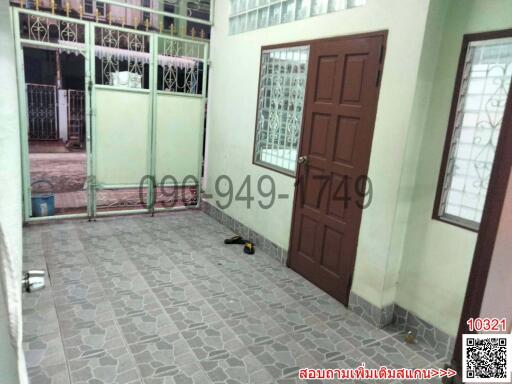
(43, 204)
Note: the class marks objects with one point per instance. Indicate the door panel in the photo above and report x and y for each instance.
(341, 103)
(179, 126)
(122, 136)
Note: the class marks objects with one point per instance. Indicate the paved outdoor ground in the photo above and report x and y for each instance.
(163, 300)
(67, 173)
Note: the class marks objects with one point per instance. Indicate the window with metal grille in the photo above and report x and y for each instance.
(477, 120)
(247, 15)
(90, 7)
(283, 78)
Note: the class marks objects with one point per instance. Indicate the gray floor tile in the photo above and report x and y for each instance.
(142, 300)
(88, 309)
(39, 315)
(80, 338)
(211, 340)
(254, 328)
(121, 282)
(52, 374)
(69, 273)
(326, 308)
(192, 315)
(173, 293)
(108, 367)
(282, 357)
(155, 372)
(145, 325)
(393, 353)
(293, 317)
(235, 367)
(77, 293)
(232, 305)
(129, 303)
(43, 350)
(156, 276)
(161, 355)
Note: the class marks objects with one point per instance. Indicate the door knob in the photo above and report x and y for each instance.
(33, 280)
(302, 160)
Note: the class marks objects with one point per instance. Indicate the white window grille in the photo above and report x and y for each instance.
(281, 101)
(247, 15)
(480, 108)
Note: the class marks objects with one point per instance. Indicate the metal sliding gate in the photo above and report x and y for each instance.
(144, 107)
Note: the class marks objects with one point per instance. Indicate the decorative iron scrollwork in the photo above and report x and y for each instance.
(50, 30)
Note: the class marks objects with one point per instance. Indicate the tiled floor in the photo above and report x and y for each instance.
(163, 300)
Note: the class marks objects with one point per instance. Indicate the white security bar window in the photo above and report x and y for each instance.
(281, 100)
(247, 15)
(483, 94)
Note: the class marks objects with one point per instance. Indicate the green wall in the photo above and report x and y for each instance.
(436, 256)
(232, 113)
(10, 190)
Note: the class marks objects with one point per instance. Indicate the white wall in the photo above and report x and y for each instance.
(10, 196)
(437, 256)
(232, 113)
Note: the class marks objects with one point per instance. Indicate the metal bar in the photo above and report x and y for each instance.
(55, 46)
(183, 39)
(180, 208)
(122, 89)
(121, 212)
(57, 217)
(42, 220)
(177, 185)
(166, 93)
(157, 12)
(92, 120)
(113, 27)
(203, 122)
(48, 15)
(23, 117)
(121, 29)
(153, 86)
(119, 186)
(153, 80)
(88, 124)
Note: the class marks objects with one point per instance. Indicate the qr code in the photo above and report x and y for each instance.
(486, 358)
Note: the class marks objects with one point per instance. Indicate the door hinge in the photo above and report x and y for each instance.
(349, 284)
(379, 74)
(381, 58)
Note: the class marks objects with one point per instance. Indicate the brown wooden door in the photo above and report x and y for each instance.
(339, 116)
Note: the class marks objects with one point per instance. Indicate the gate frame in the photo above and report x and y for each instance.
(20, 43)
(204, 100)
(88, 51)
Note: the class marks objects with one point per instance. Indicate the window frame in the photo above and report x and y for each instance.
(102, 15)
(436, 214)
(266, 165)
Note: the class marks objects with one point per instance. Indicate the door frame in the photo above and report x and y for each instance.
(489, 225)
(380, 33)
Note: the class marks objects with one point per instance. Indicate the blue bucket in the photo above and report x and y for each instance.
(43, 204)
